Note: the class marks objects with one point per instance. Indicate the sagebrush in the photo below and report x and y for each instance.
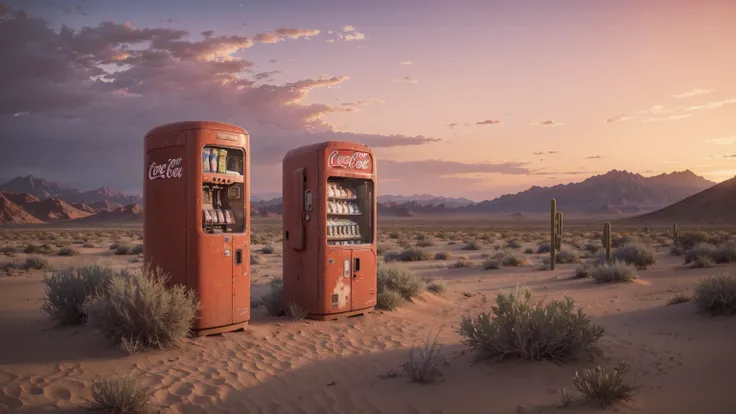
(68, 291)
(605, 385)
(120, 396)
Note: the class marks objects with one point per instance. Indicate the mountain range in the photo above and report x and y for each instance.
(615, 193)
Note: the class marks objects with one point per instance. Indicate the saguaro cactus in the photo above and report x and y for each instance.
(675, 234)
(555, 233)
(606, 239)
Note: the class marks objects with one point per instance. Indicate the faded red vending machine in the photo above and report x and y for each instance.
(197, 216)
(329, 215)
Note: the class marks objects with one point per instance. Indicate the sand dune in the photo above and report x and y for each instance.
(354, 365)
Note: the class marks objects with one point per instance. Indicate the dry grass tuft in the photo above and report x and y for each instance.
(605, 385)
(423, 364)
(120, 396)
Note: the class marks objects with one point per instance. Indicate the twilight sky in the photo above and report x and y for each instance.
(458, 98)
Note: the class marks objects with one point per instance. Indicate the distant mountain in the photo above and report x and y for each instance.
(12, 213)
(611, 193)
(714, 205)
(51, 209)
(425, 200)
(268, 208)
(43, 189)
(128, 213)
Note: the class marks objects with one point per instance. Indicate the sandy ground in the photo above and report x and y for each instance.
(683, 360)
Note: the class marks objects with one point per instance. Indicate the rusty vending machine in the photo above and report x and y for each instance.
(197, 216)
(329, 215)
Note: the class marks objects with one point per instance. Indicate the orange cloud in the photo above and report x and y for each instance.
(488, 122)
(405, 79)
(547, 123)
(694, 92)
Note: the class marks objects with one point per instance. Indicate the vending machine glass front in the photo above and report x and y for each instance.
(349, 211)
(223, 201)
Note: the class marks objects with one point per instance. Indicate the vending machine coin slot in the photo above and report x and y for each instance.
(308, 200)
(239, 256)
(357, 264)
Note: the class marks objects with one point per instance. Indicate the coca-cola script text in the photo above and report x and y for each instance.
(357, 161)
(171, 169)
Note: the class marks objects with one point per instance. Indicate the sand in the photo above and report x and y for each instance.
(683, 360)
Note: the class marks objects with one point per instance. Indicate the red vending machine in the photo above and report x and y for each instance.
(197, 216)
(329, 208)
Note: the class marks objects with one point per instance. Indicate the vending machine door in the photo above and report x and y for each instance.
(338, 282)
(364, 279)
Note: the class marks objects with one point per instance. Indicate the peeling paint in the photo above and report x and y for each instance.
(342, 290)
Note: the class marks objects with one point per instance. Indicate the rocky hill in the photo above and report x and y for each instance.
(43, 189)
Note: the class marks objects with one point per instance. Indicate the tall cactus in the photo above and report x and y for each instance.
(555, 233)
(675, 234)
(607, 240)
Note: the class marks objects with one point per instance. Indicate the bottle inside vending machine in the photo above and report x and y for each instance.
(349, 202)
(222, 190)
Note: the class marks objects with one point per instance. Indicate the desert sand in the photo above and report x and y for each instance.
(683, 360)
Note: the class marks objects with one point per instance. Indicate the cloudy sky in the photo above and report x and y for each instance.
(458, 98)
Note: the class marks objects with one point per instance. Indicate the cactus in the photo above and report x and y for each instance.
(555, 233)
(675, 234)
(607, 240)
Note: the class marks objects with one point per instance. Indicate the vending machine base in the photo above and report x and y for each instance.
(341, 315)
(221, 329)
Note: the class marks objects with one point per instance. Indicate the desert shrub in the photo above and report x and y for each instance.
(513, 244)
(420, 236)
(295, 312)
(273, 300)
(388, 299)
(461, 263)
(676, 251)
(700, 250)
(473, 245)
(138, 249)
(381, 249)
(36, 263)
(9, 251)
(425, 243)
(544, 248)
(605, 385)
(411, 254)
(267, 249)
(69, 289)
(517, 326)
(424, 362)
(717, 294)
(394, 235)
(442, 256)
(703, 261)
(528, 250)
(436, 285)
(636, 254)
(622, 239)
(399, 279)
(583, 271)
(122, 249)
(592, 247)
(688, 240)
(68, 251)
(566, 256)
(138, 310)
(88, 245)
(679, 298)
(491, 263)
(120, 396)
(517, 261)
(725, 253)
(256, 259)
(614, 272)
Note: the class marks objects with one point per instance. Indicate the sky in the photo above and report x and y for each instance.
(457, 98)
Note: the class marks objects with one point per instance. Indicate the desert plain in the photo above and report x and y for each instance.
(681, 360)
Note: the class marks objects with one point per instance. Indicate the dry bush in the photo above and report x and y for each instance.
(68, 290)
(9, 251)
(124, 249)
(688, 240)
(513, 244)
(700, 250)
(583, 271)
(442, 256)
(717, 294)
(622, 239)
(267, 249)
(411, 254)
(296, 312)
(389, 299)
(605, 385)
(636, 254)
(36, 263)
(614, 272)
(397, 278)
(516, 261)
(424, 363)
(528, 250)
(425, 243)
(679, 298)
(725, 253)
(492, 263)
(437, 286)
(459, 264)
(120, 396)
(544, 247)
(566, 256)
(473, 245)
(517, 326)
(68, 251)
(702, 262)
(273, 300)
(139, 311)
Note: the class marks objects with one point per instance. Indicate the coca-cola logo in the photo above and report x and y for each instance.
(171, 169)
(357, 160)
